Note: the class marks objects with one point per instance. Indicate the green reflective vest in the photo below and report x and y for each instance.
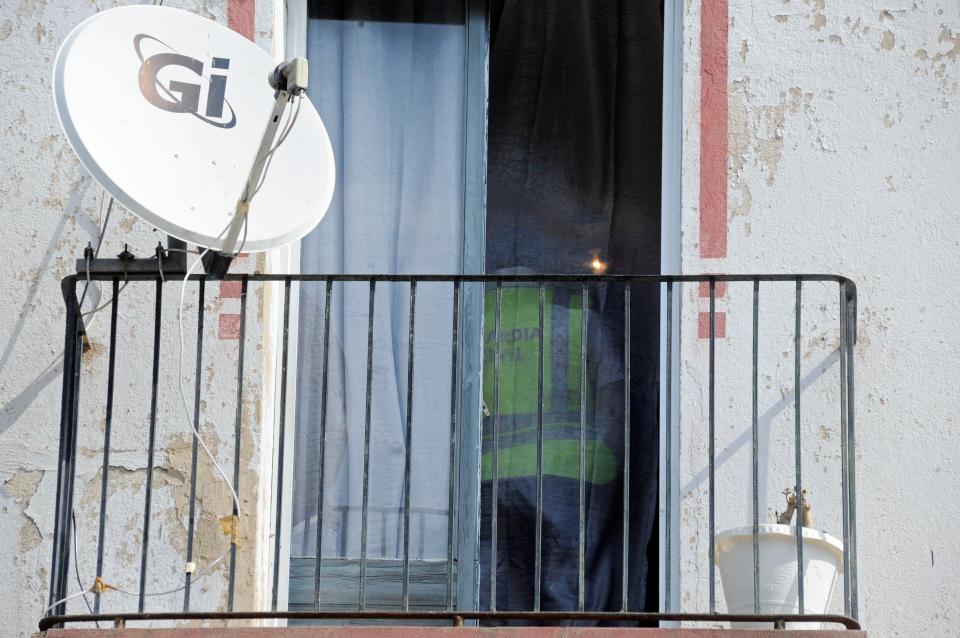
(518, 388)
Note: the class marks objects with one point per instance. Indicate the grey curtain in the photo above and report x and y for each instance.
(390, 93)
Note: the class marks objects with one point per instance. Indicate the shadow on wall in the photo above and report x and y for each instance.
(764, 426)
(11, 410)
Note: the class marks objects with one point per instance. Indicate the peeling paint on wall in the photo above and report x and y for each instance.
(842, 142)
(50, 210)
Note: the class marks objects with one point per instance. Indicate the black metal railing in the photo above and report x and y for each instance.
(466, 428)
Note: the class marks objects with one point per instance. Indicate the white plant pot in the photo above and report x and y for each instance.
(779, 594)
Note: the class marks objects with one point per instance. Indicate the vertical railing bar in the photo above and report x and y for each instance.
(231, 583)
(366, 449)
(155, 378)
(582, 483)
(494, 470)
(538, 539)
(66, 460)
(281, 443)
(454, 409)
(850, 564)
(412, 319)
(852, 454)
(197, 385)
(328, 297)
(108, 422)
(668, 455)
(625, 568)
(755, 446)
(844, 470)
(797, 444)
(712, 446)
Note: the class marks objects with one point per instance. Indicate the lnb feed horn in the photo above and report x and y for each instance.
(290, 76)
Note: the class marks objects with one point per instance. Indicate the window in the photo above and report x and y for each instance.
(573, 165)
(389, 81)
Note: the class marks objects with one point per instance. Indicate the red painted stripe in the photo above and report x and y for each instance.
(714, 29)
(228, 326)
(230, 289)
(703, 325)
(241, 16)
(720, 290)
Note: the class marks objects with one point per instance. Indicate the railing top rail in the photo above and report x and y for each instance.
(849, 287)
(532, 277)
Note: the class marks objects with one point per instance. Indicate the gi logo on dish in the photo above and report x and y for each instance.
(177, 95)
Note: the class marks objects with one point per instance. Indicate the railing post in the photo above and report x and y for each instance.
(281, 441)
(151, 443)
(755, 444)
(469, 387)
(324, 380)
(454, 474)
(237, 432)
(797, 441)
(848, 332)
(67, 455)
(367, 424)
(711, 446)
(107, 426)
(198, 385)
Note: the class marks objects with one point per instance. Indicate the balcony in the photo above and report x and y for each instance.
(182, 531)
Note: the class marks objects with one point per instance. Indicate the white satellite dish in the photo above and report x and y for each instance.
(167, 110)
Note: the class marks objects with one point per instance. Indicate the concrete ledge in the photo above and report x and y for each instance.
(441, 632)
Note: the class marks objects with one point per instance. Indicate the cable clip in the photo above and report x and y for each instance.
(126, 256)
(100, 587)
(230, 526)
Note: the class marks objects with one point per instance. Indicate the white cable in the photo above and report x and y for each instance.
(236, 500)
(183, 397)
(93, 588)
(63, 600)
(291, 120)
(76, 563)
(101, 306)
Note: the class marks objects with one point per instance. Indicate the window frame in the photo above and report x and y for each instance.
(671, 202)
(290, 40)
(290, 19)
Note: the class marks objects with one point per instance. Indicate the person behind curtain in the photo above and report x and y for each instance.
(573, 177)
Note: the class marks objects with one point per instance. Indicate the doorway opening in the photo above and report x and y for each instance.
(574, 187)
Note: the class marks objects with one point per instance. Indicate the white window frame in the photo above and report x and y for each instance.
(670, 264)
(290, 40)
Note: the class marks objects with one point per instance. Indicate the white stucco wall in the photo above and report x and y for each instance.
(843, 133)
(843, 120)
(50, 210)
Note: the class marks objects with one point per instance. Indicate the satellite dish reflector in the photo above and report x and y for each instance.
(167, 109)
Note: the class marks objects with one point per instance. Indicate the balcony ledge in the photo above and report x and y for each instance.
(441, 632)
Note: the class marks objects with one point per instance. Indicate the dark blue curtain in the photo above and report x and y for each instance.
(574, 187)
